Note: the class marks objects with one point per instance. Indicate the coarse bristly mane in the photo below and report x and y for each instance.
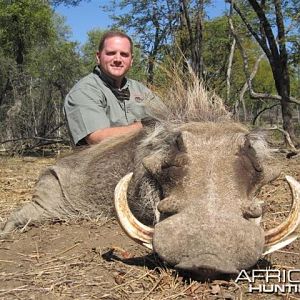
(187, 100)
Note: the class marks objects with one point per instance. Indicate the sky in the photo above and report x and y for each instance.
(89, 15)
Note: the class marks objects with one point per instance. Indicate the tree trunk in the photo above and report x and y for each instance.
(195, 34)
(150, 69)
(276, 52)
(287, 112)
(153, 53)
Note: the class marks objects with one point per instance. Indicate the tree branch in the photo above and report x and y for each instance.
(229, 68)
(263, 110)
(255, 95)
(187, 19)
(267, 29)
(246, 85)
(53, 140)
(230, 60)
(286, 135)
(249, 77)
(261, 42)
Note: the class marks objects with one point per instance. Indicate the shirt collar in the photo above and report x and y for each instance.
(110, 82)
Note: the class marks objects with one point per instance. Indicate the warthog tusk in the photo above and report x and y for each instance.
(286, 232)
(136, 230)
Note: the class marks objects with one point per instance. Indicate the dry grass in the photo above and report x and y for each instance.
(17, 179)
(188, 99)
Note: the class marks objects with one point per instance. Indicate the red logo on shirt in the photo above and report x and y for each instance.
(138, 98)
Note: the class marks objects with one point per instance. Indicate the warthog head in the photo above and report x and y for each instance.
(204, 176)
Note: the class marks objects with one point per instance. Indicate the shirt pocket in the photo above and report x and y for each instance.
(136, 109)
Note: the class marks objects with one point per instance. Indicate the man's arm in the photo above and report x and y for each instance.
(101, 134)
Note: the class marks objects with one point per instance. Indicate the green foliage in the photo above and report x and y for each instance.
(63, 32)
(90, 48)
(217, 43)
(5, 64)
(263, 80)
(295, 82)
(144, 18)
(24, 23)
(58, 66)
(66, 2)
(38, 66)
(138, 69)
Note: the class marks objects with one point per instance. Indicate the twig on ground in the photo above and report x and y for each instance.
(25, 226)
(153, 288)
(67, 250)
(182, 293)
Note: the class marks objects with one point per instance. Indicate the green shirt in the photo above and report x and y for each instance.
(91, 105)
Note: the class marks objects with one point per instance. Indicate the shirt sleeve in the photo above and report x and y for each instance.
(85, 110)
(147, 103)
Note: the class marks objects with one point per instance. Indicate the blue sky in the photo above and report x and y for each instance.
(89, 15)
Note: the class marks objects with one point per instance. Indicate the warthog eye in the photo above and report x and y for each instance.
(172, 173)
(180, 143)
(173, 168)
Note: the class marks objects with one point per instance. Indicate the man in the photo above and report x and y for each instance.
(105, 103)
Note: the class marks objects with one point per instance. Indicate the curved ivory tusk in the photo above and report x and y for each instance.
(286, 232)
(136, 230)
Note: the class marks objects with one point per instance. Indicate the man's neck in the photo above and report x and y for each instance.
(115, 83)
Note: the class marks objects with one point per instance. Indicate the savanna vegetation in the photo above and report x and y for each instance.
(249, 55)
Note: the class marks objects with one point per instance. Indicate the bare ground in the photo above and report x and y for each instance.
(93, 259)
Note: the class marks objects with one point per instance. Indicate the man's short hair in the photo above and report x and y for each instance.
(110, 34)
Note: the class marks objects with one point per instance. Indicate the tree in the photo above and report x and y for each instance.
(192, 21)
(270, 20)
(53, 72)
(90, 48)
(23, 24)
(36, 75)
(225, 75)
(152, 22)
(65, 2)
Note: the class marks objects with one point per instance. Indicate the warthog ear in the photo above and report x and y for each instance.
(255, 148)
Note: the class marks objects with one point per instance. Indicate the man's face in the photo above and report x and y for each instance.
(115, 59)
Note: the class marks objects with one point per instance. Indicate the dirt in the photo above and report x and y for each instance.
(93, 259)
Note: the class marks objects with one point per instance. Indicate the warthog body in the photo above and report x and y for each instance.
(195, 180)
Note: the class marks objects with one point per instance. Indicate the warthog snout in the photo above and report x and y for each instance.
(205, 243)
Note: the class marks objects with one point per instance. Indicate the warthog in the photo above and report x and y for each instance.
(194, 175)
